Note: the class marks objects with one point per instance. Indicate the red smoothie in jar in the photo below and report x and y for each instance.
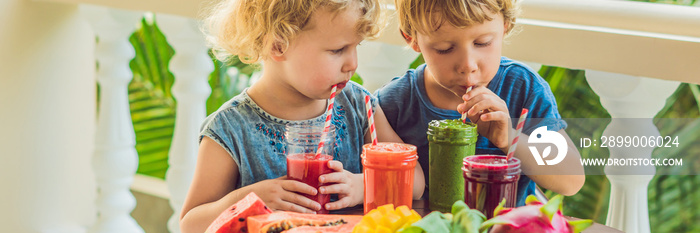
(306, 168)
(488, 179)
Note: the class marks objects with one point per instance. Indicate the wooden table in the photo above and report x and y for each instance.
(421, 206)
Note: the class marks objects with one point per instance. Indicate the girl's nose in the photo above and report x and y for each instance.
(350, 64)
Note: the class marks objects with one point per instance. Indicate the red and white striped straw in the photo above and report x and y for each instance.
(518, 130)
(327, 125)
(464, 114)
(370, 118)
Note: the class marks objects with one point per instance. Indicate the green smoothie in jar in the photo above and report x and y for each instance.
(449, 142)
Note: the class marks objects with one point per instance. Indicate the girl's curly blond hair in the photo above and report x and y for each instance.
(250, 29)
(425, 16)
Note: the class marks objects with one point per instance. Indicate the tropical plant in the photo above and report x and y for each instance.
(151, 100)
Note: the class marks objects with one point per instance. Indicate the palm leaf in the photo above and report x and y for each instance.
(150, 100)
(153, 121)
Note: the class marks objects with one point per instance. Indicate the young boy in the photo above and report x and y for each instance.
(461, 42)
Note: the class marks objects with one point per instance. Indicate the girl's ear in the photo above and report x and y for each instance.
(410, 41)
(276, 53)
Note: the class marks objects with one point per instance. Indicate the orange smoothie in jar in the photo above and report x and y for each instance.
(388, 171)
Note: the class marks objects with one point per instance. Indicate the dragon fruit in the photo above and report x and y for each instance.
(534, 217)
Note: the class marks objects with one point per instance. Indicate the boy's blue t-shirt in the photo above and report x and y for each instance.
(256, 140)
(409, 110)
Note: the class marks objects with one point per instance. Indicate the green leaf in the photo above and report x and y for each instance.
(419, 61)
(458, 206)
(150, 100)
(434, 222)
(356, 78)
(467, 221)
(696, 93)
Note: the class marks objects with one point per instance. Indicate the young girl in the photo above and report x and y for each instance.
(307, 47)
(461, 43)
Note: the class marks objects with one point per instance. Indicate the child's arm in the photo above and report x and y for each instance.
(566, 177)
(490, 113)
(213, 190)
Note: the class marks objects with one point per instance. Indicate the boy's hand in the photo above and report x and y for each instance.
(284, 194)
(348, 186)
(490, 114)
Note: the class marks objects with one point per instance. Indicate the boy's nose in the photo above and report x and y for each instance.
(468, 66)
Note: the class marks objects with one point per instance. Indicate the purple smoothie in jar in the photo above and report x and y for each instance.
(488, 179)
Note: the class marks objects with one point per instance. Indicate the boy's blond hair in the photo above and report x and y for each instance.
(251, 29)
(425, 16)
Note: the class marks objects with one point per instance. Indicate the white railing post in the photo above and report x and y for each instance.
(191, 67)
(115, 160)
(379, 62)
(632, 103)
(47, 118)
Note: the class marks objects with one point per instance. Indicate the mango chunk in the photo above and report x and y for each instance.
(414, 217)
(392, 220)
(383, 229)
(362, 229)
(386, 209)
(386, 219)
(403, 211)
(373, 218)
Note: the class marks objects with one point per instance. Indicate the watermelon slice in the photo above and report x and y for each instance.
(233, 219)
(291, 222)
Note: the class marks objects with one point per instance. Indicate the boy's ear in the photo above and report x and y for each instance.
(410, 41)
(276, 53)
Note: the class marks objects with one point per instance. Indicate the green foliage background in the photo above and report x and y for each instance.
(673, 200)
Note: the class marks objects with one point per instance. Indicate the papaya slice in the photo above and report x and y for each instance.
(291, 222)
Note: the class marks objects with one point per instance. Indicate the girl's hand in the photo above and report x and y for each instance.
(284, 194)
(348, 186)
(490, 114)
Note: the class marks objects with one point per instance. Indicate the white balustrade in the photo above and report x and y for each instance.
(632, 103)
(191, 66)
(47, 118)
(115, 161)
